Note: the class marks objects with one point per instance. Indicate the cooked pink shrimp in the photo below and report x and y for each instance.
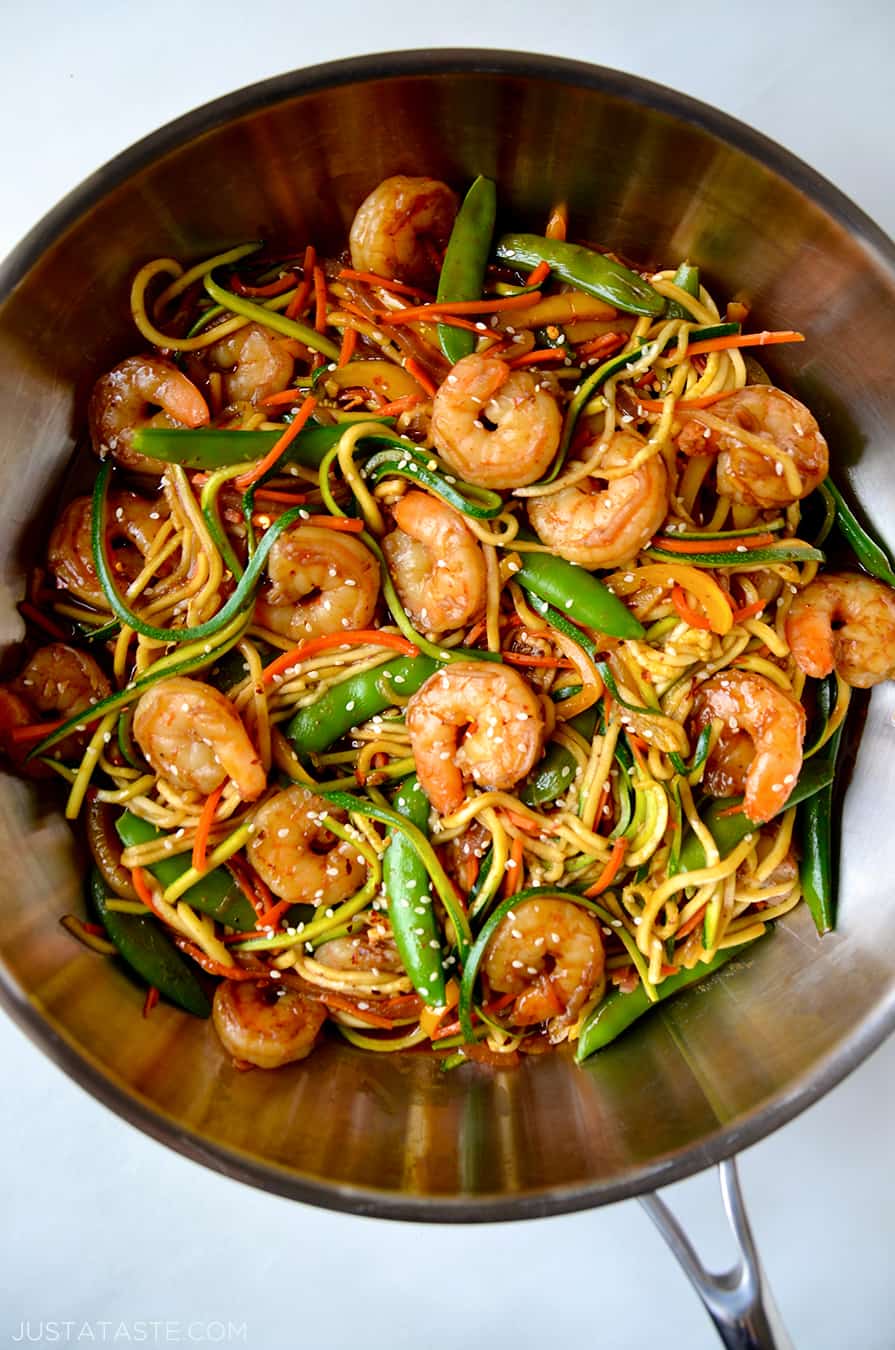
(604, 527)
(750, 706)
(252, 362)
(394, 225)
(845, 622)
(192, 734)
(549, 953)
(143, 391)
(496, 427)
(297, 856)
(436, 563)
(133, 523)
(58, 681)
(320, 581)
(473, 720)
(741, 429)
(266, 1024)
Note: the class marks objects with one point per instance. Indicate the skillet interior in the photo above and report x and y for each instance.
(658, 178)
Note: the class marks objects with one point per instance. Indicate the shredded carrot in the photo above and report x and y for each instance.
(513, 879)
(400, 405)
(558, 222)
(270, 918)
(459, 307)
(246, 480)
(299, 301)
(342, 524)
(277, 287)
(673, 545)
(475, 632)
(748, 611)
(237, 869)
(150, 1000)
(94, 929)
(32, 613)
(213, 967)
(545, 662)
(349, 342)
(421, 376)
(384, 283)
(313, 646)
(141, 886)
(693, 921)
(721, 344)
(471, 871)
(705, 401)
(648, 377)
(203, 828)
(537, 357)
(690, 616)
(603, 345)
(319, 299)
(34, 731)
(285, 498)
(283, 398)
(611, 870)
(731, 811)
(539, 275)
(341, 1003)
(521, 822)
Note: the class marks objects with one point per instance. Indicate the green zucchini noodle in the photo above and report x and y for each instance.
(439, 665)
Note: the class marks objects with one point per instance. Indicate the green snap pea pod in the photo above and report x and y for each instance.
(578, 594)
(583, 267)
(410, 907)
(148, 951)
(212, 448)
(728, 831)
(474, 501)
(551, 777)
(269, 318)
(687, 278)
(816, 869)
(216, 893)
(750, 557)
(868, 552)
(356, 700)
(463, 269)
(618, 1011)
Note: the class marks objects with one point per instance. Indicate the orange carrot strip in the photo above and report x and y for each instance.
(34, 731)
(671, 545)
(400, 405)
(342, 524)
(384, 283)
(513, 879)
(540, 274)
(31, 612)
(285, 396)
(288, 498)
(270, 918)
(301, 297)
(141, 886)
(731, 811)
(471, 871)
(743, 340)
(537, 357)
(417, 312)
(611, 870)
(544, 662)
(349, 342)
(421, 376)
(521, 822)
(558, 222)
(277, 287)
(216, 967)
(203, 828)
(602, 345)
(260, 469)
(690, 616)
(748, 611)
(319, 299)
(475, 632)
(150, 1000)
(693, 921)
(341, 1003)
(323, 644)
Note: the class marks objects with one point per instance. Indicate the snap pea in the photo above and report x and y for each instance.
(816, 869)
(619, 1011)
(410, 908)
(577, 594)
(148, 951)
(356, 700)
(868, 552)
(463, 269)
(687, 278)
(216, 894)
(728, 831)
(551, 777)
(583, 267)
(212, 448)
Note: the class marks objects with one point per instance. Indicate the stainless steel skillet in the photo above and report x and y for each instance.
(657, 176)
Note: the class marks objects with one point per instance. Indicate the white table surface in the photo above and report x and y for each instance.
(110, 1238)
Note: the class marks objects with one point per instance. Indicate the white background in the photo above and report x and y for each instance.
(101, 1223)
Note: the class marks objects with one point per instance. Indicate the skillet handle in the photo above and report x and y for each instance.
(739, 1301)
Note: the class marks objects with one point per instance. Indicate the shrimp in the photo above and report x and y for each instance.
(58, 681)
(297, 856)
(496, 427)
(192, 734)
(753, 710)
(845, 622)
(770, 419)
(132, 525)
(266, 1024)
(253, 364)
(603, 527)
(394, 225)
(143, 391)
(473, 720)
(436, 564)
(320, 581)
(371, 951)
(549, 953)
